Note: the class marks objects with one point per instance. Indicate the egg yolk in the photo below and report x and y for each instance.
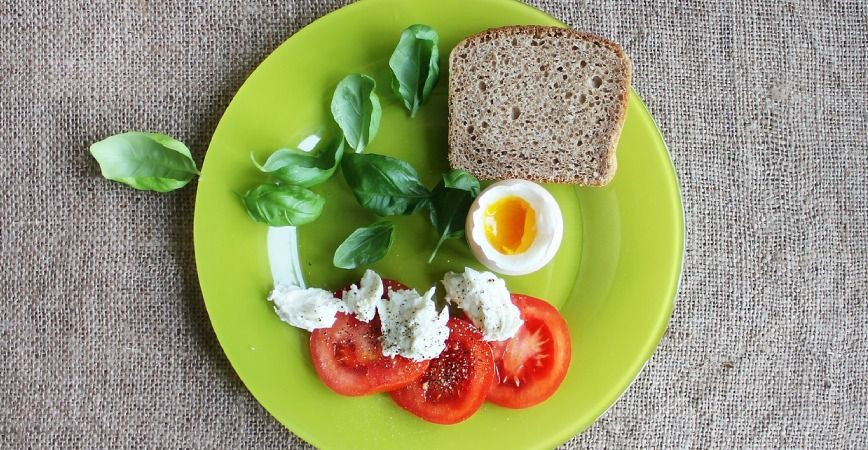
(510, 225)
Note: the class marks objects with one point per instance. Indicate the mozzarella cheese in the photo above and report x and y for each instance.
(485, 300)
(362, 300)
(309, 308)
(411, 326)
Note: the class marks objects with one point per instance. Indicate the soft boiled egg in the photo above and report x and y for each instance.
(514, 227)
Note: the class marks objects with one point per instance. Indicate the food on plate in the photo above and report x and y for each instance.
(411, 325)
(415, 66)
(485, 301)
(448, 206)
(388, 186)
(456, 383)
(532, 364)
(303, 168)
(384, 185)
(407, 324)
(349, 359)
(361, 300)
(305, 308)
(356, 109)
(514, 227)
(365, 245)
(348, 356)
(380, 336)
(538, 103)
(283, 205)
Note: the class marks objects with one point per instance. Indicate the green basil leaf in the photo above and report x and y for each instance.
(461, 180)
(364, 246)
(281, 206)
(384, 185)
(356, 109)
(450, 201)
(145, 161)
(302, 168)
(415, 66)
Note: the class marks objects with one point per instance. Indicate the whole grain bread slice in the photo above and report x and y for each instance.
(540, 103)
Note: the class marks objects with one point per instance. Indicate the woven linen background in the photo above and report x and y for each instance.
(104, 339)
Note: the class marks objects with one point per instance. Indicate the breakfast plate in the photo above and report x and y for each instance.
(614, 278)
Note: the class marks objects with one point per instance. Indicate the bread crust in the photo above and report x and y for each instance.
(540, 31)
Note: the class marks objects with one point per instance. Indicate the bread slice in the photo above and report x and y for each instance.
(539, 103)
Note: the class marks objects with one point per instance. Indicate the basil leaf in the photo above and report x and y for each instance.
(385, 185)
(459, 179)
(356, 109)
(302, 168)
(364, 246)
(450, 201)
(145, 161)
(415, 66)
(281, 206)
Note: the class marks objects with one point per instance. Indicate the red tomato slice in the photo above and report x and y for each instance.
(530, 366)
(348, 357)
(456, 383)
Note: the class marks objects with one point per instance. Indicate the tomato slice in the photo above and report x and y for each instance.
(530, 366)
(348, 357)
(456, 383)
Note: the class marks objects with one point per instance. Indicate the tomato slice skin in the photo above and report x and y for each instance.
(456, 383)
(348, 357)
(530, 367)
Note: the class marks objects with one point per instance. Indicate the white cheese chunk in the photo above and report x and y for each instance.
(309, 308)
(362, 300)
(411, 326)
(485, 299)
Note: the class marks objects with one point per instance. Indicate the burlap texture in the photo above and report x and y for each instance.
(103, 334)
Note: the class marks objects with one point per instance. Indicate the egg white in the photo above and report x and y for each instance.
(549, 225)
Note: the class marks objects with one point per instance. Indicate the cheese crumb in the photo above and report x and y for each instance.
(362, 300)
(309, 308)
(411, 326)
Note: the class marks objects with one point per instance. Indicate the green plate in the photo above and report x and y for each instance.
(614, 278)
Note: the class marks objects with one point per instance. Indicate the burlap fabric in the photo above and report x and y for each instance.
(103, 334)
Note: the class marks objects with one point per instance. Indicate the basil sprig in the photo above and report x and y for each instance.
(364, 246)
(450, 201)
(415, 66)
(302, 168)
(145, 161)
(356, 109)
(385, 185)
(281, 206)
